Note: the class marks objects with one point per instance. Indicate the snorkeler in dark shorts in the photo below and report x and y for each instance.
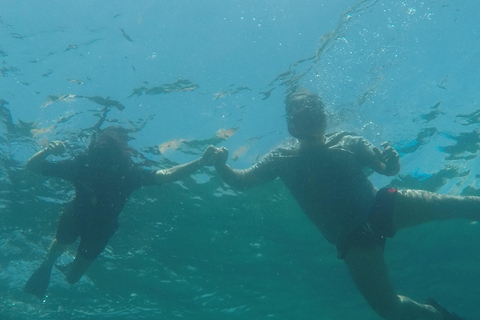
(94, 231)
(326, 175)
(377, 227)
(103, 178)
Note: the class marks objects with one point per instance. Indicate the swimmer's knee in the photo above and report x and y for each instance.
(77, 269)
(404, 308)
(391, 310)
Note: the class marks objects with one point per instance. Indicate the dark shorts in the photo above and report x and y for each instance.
(378, 226)
(94, 232)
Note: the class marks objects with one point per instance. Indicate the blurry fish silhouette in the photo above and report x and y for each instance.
(126, 36)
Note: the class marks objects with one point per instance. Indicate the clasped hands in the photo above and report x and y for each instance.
(215, 156)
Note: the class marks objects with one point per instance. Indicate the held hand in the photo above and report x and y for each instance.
(221, 156)
(389, 157)
(56, 148)
(209, 157)
(389, 154)
(214, 156)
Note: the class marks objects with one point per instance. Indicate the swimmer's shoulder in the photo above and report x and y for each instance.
(285, 149)
(340, 138)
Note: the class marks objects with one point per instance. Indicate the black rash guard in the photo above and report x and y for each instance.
(99, 189)
(101, 192)
(328, 181)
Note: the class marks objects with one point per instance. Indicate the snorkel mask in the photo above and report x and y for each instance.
(306, 117)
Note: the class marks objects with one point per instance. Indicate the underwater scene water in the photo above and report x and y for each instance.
(182, 75)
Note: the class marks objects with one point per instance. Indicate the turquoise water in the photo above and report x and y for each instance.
(186, 74)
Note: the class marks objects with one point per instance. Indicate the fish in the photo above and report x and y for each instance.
(126, 36)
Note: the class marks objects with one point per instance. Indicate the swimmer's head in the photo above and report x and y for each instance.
(110, 147)
(306, 117)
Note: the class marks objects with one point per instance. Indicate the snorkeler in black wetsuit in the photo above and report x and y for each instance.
(325, 174)
(103, 178)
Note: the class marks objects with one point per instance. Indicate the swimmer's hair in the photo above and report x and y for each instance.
(119, 134)
(114, 136)
(304, 97)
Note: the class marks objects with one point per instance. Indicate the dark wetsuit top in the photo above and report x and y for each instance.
(327, 181)
(100, 196)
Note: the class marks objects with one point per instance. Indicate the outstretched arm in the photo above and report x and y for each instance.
(35, 162)
(386, 162)
(242, 179)
(184, 170)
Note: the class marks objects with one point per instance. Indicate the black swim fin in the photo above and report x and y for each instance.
(64, 268)
(38, 282)
(447, 315)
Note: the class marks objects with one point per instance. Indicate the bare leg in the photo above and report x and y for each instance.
(370, 274)
(414, 207)
(77, 269)
(55, 251)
